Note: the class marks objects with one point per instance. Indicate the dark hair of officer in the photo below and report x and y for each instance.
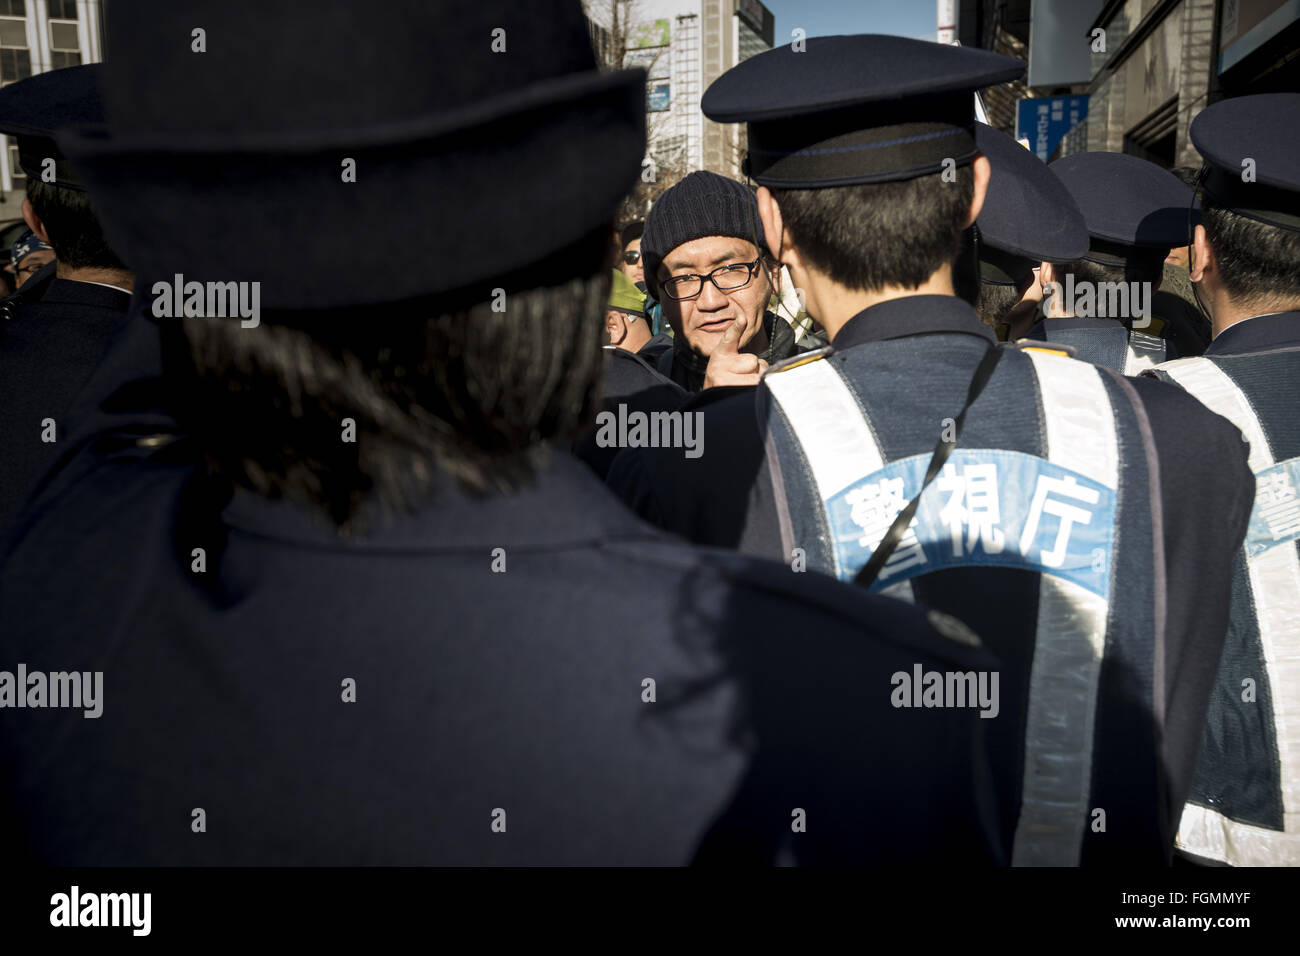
(519, 379)
(1141, 265)
(995, 301)
(876, 235)
(74, 231)
(1257, 260)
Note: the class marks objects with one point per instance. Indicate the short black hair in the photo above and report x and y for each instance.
(1142, 265)
(1259, 263)
(995, 301)
(870, 236)
(75, 234)
(473, 394)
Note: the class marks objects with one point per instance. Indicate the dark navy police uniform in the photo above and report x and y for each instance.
(1068, 528)
(521, 690)
(1132, 208)
(52, 333)
(1065, 525)
(1244, 807)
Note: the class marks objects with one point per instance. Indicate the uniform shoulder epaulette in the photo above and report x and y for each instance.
(1039, 345)
(803, 358)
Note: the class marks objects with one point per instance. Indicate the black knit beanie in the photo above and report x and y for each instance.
(702, 204)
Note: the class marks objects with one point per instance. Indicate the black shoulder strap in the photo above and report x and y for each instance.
(867, 575)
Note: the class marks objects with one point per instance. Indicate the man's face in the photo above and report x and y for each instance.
(30, 264)
(633, 270)
(704, 317)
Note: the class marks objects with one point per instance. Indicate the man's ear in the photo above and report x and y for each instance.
(34, 222)
(769, 214)
(615, 327)
(982, 171)
(1203, 259)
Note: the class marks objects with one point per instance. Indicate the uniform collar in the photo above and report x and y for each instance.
(566, 506)
(913, 315)
(1258, 334)
(76, 292)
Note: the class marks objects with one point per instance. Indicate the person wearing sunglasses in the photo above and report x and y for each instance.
(630, 259)
(703, 264)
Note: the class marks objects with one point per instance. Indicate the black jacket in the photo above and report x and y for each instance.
(52, 333)
(519, 695)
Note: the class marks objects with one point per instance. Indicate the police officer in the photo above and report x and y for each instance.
(54, 329)
(1018, 490)
(1244, 807)
(1028, 218)
(1101, 304)
(350, 599)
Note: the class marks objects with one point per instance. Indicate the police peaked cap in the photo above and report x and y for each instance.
(1028, 215)
(1251, 147)
(32, 110)
(483, 138)
(856, 109)
(1127, 202)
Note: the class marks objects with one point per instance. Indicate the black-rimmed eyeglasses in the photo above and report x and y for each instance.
(724, 278)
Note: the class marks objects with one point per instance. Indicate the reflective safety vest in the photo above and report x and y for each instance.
(1244, 808)
(1042, 491)
(1126, 351)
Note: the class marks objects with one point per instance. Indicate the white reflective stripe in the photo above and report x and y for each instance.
(1220, 394)
(1211, 835)
(1144, 351)
(828, 424)
(1059, 724)
(1275, 593)
(1071, 635)
(1074, 404)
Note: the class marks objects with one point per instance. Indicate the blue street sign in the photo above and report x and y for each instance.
(1045, 121)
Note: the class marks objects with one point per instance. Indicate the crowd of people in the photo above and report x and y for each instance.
(985, 549)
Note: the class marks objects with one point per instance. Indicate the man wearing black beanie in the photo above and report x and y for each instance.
(708, 226)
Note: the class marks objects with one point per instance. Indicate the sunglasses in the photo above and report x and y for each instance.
(631, 258)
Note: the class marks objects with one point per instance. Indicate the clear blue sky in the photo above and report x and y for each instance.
(908, 18)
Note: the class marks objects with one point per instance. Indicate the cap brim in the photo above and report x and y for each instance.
(524, 174)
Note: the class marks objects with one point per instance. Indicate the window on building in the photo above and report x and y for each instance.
(1155, 138)
(65, 48)
(13, 33)
(62, 9)
(15, 59)
(15, 168)
(13, 8)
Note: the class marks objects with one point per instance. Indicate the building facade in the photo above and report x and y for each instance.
(36, 36)
(1153, 66)
(684, 45)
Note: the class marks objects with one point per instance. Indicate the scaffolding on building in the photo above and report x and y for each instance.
(686, 80)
